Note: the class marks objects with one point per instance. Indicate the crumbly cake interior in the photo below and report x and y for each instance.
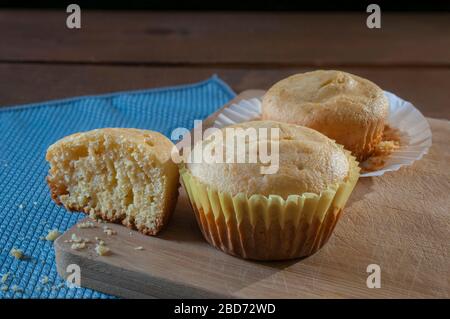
(111, 178)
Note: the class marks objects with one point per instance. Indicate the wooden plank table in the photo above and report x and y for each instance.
(118, 50)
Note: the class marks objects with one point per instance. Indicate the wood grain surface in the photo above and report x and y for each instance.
(399, 221)
(41, 59)
(226, 37)
(427, 89)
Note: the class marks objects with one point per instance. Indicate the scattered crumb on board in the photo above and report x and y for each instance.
(108, 231)
(102, 250)
(78, 243)
(52, 235)
(78, 246)
(87, 224)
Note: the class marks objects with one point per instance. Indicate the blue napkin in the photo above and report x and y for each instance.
(26, 211)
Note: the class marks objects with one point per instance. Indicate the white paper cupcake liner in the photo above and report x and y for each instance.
(415, 131)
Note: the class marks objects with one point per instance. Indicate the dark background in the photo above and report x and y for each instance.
(259, 5)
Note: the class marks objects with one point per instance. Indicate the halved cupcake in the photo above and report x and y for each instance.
(121, 175)
(251, 210)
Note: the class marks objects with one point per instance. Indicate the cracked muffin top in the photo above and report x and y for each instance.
(298, 160)
(343, 106)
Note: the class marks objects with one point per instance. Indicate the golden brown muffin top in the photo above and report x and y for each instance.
(307, 97)
(149, 142)
(308, 162)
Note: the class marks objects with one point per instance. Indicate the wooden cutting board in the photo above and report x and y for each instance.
(399, 221)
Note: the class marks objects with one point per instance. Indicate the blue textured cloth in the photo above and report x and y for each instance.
(26, 210)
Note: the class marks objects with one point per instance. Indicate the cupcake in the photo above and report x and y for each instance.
(120, 175)
(269, 210)
(345, 107)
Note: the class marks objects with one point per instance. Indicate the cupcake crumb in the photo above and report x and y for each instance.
(78, 243)
(102, 250)
(386, 148)
(17, 253)
(390, 143)
(52, 235)
(75, 239)
(93, 215)
(87, 224)
(108, 231)
(78, 246)
(44, 280)
(5, 277)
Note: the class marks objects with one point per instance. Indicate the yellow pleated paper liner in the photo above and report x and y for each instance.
(268, 227)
